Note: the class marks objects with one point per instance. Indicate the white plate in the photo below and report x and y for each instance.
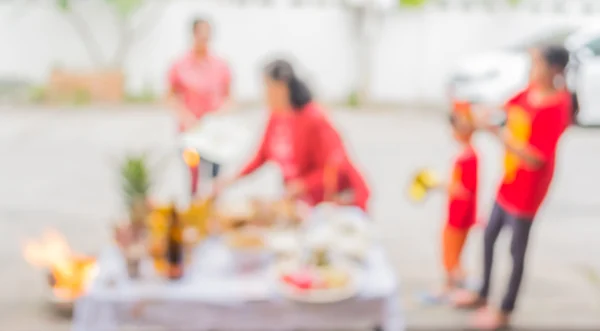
(317, 296)
(218, 138)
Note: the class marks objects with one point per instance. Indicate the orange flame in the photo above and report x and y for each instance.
(71, 272)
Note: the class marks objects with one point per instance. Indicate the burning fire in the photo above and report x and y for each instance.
(70, 273)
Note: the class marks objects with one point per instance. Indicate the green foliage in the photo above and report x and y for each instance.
(353, 100)
(64, 5)
(412, 3)
(38, 94)
(593, 277)
(124, 8)
(81, 97)
(147, 96)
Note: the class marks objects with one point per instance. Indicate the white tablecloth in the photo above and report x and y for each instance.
(213, 297)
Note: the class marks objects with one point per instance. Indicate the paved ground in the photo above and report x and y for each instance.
(58, 170)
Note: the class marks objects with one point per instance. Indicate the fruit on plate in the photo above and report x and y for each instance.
(302, 279)
(335, 278)
(317, 279)
(245, 240)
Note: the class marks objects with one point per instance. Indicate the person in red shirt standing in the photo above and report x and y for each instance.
(536, 120)
(199, 83)
(462, 201)
(304, 144)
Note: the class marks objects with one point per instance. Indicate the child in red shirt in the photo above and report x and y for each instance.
(462, 196)
(462, 201)
(536, 120)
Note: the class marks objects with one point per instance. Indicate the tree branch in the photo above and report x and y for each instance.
(130, 35)
(151, 21)
(87, 37)
(125, 40)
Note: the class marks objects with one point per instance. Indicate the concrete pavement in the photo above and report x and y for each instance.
(58, 170)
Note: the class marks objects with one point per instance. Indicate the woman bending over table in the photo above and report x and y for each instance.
(301, 140)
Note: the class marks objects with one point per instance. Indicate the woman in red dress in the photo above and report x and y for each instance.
(301, 140)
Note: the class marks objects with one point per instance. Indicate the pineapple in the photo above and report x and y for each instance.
(136, 184)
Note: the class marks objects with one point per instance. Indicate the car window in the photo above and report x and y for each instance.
(594, 46)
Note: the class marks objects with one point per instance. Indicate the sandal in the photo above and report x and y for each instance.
(465, 299)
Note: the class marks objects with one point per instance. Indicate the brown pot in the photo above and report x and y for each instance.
(91, 86)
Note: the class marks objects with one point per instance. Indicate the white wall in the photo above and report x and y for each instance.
(412, 53)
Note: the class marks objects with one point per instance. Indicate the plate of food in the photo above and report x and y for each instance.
(248, 249)
(317, 284)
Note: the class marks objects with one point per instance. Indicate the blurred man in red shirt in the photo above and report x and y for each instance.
(536, 120)
(304, 144)
(199, 83)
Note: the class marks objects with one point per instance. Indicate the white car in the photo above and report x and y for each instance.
(491, 78)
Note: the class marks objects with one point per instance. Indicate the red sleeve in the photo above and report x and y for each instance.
(260, 157)
(359, 186)
(329, 148)
(516, 99)
(547, 128)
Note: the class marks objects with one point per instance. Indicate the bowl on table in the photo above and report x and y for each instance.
(248, 249)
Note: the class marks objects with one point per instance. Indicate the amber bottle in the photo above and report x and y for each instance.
(174, 252)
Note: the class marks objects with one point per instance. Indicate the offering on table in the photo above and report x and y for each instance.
(269, 213)
(131, 237)
(196, 217)
(245, 239)
(174, 246)
(235, 217)
(353, 248)
(321, 257)
(285, 244)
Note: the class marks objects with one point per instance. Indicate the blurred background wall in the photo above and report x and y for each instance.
(411, 50)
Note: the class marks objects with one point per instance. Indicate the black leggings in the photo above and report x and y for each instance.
(518, 247)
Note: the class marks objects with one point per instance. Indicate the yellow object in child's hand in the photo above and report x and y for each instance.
(422, 183)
